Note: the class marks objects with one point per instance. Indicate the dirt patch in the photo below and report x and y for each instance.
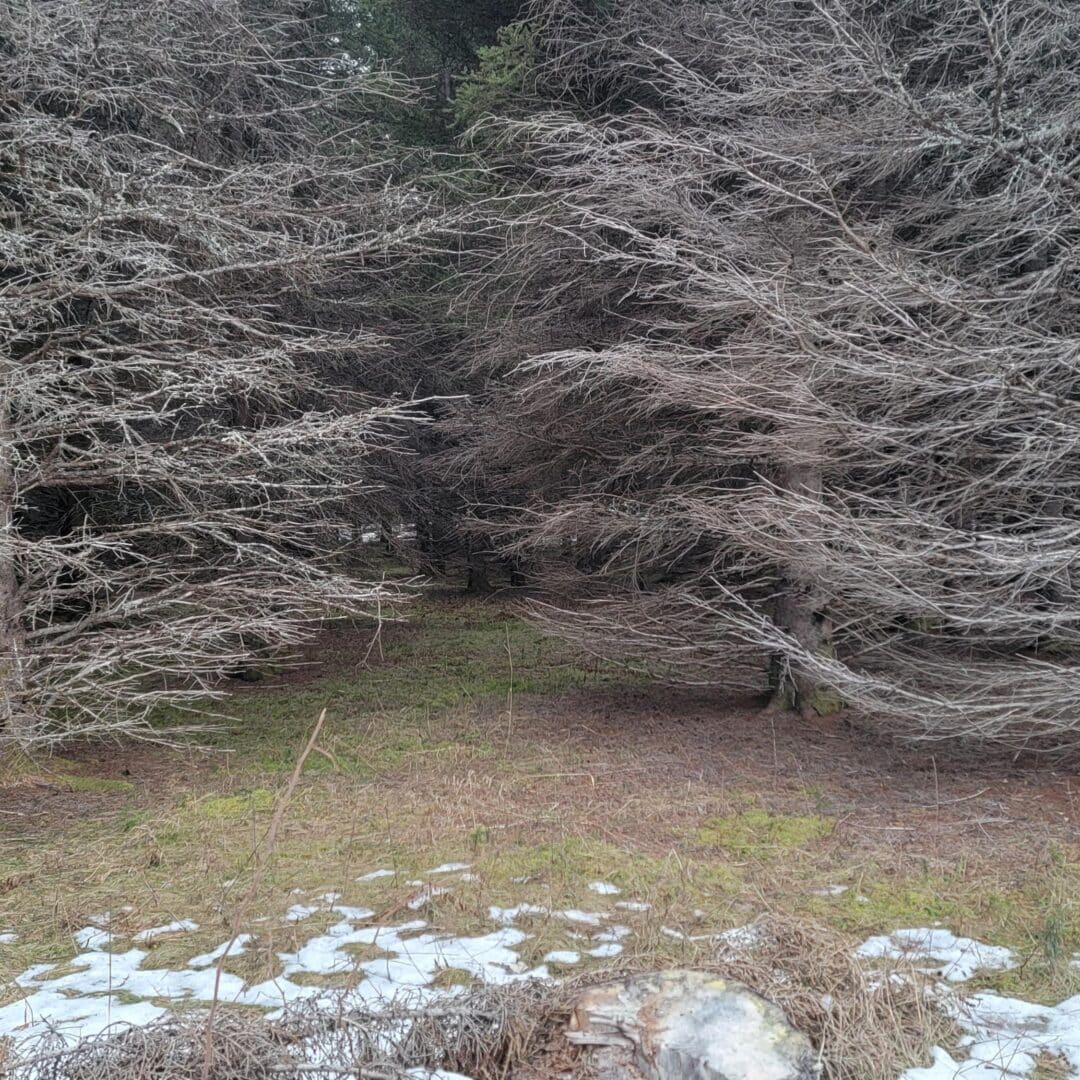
(881, 792)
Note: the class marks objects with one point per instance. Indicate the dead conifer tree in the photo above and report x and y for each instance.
(815, 402)
(186, 190)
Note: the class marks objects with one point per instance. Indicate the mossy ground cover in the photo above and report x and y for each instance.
(467, 736)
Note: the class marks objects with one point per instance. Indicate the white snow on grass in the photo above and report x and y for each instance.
(562, 956)
(1004, 1036)
(450, 867)
(830, 890)
(8, 938)
(939, 952)
(589, 918)
(606, 950)
(97, 988)
(507, 915)
(604, 889)
(227, 948)
(613, 933)
(299, 912)
(739, 937)
(633, 905)
(425, 895)
(91, 937)
(375, 875)
(178, 926)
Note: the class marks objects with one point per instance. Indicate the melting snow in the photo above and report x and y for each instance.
(507, 915)
(633, 905)
(90, 937)
(1003, 1036)
(375, 875)
(96, 989)
(562, 956)
(956, 959)
(227, 948)
(589, 918)
(428, 892)
(613, 933)
(604, 889)
(179, 926)
(450, 867)
(8, 938)
(610, 949)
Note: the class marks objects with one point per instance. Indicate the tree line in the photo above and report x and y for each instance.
(741, 334)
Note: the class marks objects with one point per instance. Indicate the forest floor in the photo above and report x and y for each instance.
(465, 738)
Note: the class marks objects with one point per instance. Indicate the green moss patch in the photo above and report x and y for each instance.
(759, 834)
(237, 806)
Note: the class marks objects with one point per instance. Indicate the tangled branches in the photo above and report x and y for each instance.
(814, 268)
(189, 204)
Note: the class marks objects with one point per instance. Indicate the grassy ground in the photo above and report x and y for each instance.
(466, 736)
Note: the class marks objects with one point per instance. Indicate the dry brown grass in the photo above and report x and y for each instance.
(865, 1022)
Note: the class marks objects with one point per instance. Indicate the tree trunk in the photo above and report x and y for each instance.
(14, 726)
(802, 612)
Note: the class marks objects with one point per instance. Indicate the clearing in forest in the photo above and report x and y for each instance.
(501, 806)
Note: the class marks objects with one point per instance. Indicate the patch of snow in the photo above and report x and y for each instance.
(429, 892)
(562, 956)
(830, 890)
(450, 867)
(375, 875)
(1004, 1038)
(98, 988)
(329, 897)
(91, 937)
(609, 949)
(939, 952)
(739, 937)
(613, 933)
(299, 912)
(604, 889)
(226, 948)
(633, 905)
(178, 926)
(8, 938)
(357, 914)
(508, 914)
(589, 918)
